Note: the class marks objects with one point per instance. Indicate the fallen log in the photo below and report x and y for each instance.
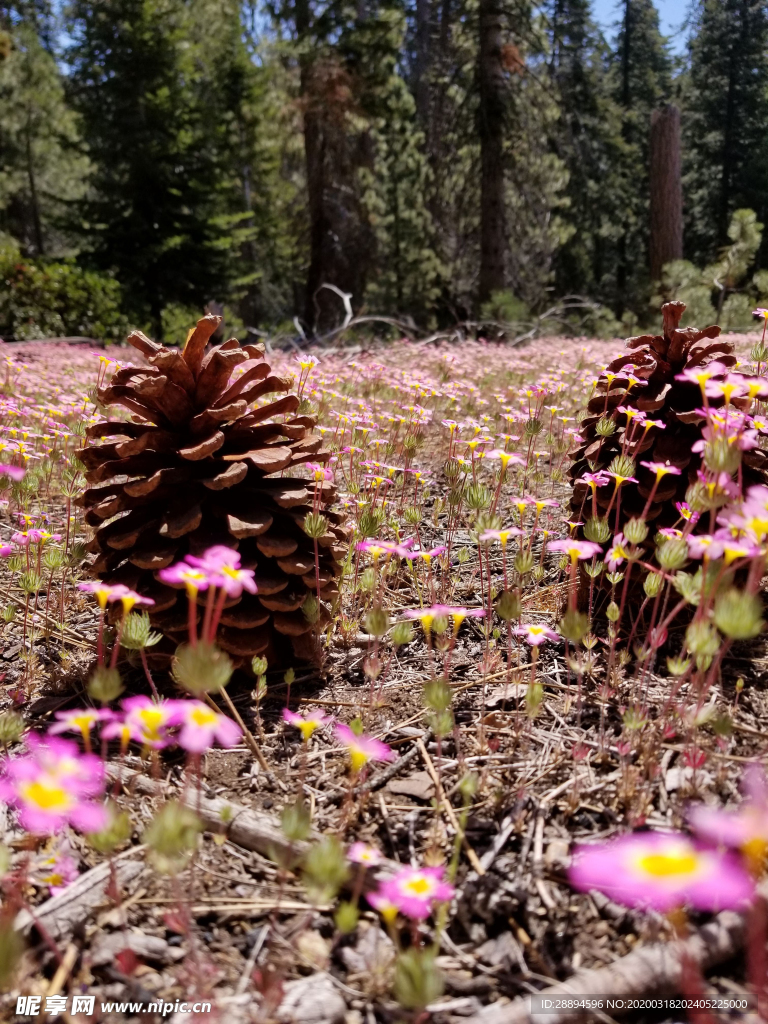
(656, 969)
(62, 914)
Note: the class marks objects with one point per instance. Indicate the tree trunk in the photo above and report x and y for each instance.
(666, 188)
(491, 130)
(314, 156)
(423, 57)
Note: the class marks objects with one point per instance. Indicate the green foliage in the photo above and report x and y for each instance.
(42, 167)
(44, 298)
(725, 115)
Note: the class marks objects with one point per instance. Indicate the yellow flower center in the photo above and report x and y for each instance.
(418, 886)
(203, 716)
(667, 865)
(151, 720)
(46, 794)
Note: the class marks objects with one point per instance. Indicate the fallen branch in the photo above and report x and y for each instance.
(657, 969)
(62, 914)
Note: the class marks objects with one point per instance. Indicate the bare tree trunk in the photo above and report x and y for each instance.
(666, 188)
(490, 73)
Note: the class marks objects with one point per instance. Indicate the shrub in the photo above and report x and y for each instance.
(54, 298)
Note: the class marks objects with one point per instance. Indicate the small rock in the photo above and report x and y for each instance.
(676, 778)
(312, 1000)
(314, 948)
(11, 652)
(147, 947)
(510, 692)
(419, 786)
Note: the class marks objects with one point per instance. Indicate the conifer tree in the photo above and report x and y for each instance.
(41, 170)
(587, 137)
(155, 211)
(641, 81)
(725, 120)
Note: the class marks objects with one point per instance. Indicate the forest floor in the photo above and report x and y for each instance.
(239, 927)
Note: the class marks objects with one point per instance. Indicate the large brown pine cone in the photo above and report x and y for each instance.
(198, 464)
(657, 359)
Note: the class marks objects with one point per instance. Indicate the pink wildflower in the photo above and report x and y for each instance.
(362, 749)
(201, 726)
(744, 827)
(576, 549)
(149, 723)
(536, 634)
(307, 723)
(414, 890)
(184, 575)
(663, 871)
(49, 787)
(14, 472)
(222, 567)
(361, 853)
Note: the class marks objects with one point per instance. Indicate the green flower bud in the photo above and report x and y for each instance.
(597, 530)
(105, 685)
(614, 578)
(259, 665)
(636, 531)
(533, 427)
(311, 608)
(288, 676)
(523, 562)
(440, 722)
(593, 571)
(137, 632)
(439, 624)
(402, 634)
(295, 821)
(172, 838)
(678, 666)
(672, 554)
(377, 622)
(605, 427)
(11, 948)
(738, 614)
(574, 625)
(508, 605)
(412, 515)
(367, 581)
(418, 981)
(702, 638)
(622, 465)
(478, 497)
(325, 869)
(634, 719)
(346, 917)
(612, 612)
(534, 697)
(315, 525)
(438, 695)
(652, 584)
(11, 728)
(468, 786)
(688, 587)
(722, 456)
(9, 613)
(451, 471)
(201, 669)
(116, 832)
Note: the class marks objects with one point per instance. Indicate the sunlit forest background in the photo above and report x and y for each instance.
(438, 162)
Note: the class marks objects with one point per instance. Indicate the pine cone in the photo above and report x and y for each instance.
(195, 467)
(656, 360)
